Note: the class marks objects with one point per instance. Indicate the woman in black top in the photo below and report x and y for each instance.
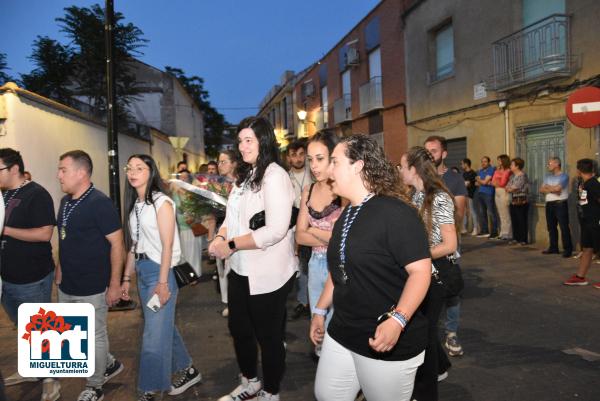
(379, 265)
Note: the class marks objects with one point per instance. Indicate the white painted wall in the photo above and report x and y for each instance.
(42, 133)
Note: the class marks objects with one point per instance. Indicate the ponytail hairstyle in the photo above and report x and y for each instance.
(378, 174)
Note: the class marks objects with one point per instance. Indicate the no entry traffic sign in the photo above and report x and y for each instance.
(583, 107)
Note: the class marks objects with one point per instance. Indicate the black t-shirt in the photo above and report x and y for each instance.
(455, 183)
(85, 252)
(26, 262)
(470, 176)
(589, 200)
(386, 235)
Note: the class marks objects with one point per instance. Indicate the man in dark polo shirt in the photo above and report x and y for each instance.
(25, 250)
(91, 257)
(438, 147)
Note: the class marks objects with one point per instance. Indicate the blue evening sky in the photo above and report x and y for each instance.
(240, 48)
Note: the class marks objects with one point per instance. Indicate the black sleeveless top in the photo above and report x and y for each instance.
(332, 207)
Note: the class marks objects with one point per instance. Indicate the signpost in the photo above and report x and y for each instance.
(583, 107)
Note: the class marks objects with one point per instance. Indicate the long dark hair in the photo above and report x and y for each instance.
(423, 162)
(268, 152)
(378, 173)
(155, 184)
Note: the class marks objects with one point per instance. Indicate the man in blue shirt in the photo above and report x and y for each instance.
(487, 206)
(555, 186)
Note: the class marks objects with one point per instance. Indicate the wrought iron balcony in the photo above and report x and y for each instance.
(538, 52)
(342, 109)
(370, 95)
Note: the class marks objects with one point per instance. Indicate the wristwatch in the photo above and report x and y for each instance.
(231, 244)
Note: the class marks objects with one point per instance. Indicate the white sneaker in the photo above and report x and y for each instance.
(16, 378)
(246, 390)
(225, 312)
(50, 390)
(264, 396)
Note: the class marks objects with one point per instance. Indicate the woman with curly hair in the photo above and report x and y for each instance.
(379, 272)
(436, 207)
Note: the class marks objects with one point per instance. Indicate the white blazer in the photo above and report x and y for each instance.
(274, 263)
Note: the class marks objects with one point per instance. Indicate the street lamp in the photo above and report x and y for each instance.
(178, 142)
(301, 115)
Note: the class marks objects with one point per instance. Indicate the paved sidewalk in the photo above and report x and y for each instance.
(517, 322)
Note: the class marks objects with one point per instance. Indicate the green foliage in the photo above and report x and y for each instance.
(214, 122)
(4, 77)
(54, 66)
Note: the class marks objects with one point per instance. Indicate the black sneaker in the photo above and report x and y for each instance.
(147, 396)
(91, 394)
(187, 378)
(112, 370)
(299, 311)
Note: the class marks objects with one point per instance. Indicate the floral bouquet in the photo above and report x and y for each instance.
(204, 201)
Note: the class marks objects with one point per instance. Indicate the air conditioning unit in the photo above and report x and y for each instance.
(352, 58)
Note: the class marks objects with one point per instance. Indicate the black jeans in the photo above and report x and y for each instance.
(518, 216)
(258, 318)
(557, 212)
(426, 384)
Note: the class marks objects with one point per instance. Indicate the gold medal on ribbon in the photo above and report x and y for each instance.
(63, 233)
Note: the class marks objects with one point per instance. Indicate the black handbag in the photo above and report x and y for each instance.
(450, 275)
(184, 274)
(258, 220)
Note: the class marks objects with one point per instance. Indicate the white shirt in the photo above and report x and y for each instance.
(232, 222)
(149, 237)
(271, 265)
(299, 181)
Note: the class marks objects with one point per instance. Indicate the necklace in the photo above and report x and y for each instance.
(138, 214)
(345, 229)
(5, 194)
(301, 184)
(67, 213)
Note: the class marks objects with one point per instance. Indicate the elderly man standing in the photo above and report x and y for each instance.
(556, 188)
(91, 257)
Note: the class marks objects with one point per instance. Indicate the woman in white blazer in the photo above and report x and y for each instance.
(261, 259)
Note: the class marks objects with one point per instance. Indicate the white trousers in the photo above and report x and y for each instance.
(342, 373)
(502, 199)
(192, 249)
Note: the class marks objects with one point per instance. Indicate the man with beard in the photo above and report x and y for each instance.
(437, 146)
(301, 177)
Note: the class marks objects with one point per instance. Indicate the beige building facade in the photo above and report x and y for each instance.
(494, 76)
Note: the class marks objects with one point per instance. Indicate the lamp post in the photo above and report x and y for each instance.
(111, 115)
(178, 143)
(302, 117)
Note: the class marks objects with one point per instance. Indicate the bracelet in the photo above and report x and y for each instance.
(220, 236)
(399, 318)
(319, 311)
(402, 314)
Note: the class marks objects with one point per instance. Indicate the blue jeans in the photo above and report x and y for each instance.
(487, 207)
(14, 295)
(452, 314)
(163, 351)
(317, 276)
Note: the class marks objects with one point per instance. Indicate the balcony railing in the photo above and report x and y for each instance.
(342, 109)
(370, 95)
(537, 52)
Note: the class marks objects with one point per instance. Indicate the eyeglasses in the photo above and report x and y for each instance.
(134, 170)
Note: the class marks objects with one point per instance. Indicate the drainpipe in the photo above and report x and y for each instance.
(504, 106)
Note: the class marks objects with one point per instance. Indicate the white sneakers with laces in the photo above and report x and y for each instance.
(248, 389)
